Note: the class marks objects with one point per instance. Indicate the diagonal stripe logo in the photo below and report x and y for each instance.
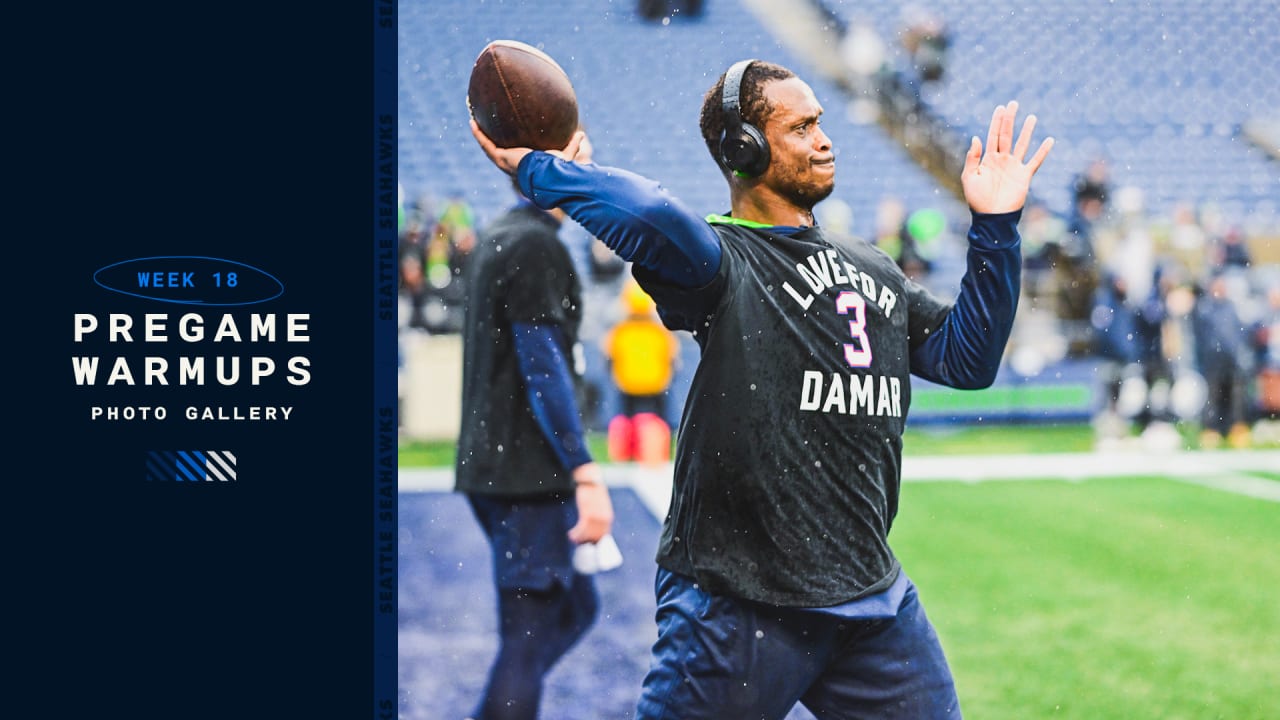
(191, 466)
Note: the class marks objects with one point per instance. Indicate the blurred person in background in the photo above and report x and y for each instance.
(667, 9)
(1266, 343)
(1223, 359)
(926, 39)
(413, 278)
(452, 238)
(642, 355)
(1077, 270)
(1093, 184)
(1231, 251)
(911, 239)
(1150, 316)
(1117, 345)
(891, 216)
(1186, 243)
(1043, 234)
(1090, 200)
(522, 459)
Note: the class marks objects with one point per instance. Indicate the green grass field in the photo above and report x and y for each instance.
(949, 440)
(1118, 598)
(1101, 599)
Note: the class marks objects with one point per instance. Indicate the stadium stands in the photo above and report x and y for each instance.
(640, 87)
(1178, 96)
(1161, 89)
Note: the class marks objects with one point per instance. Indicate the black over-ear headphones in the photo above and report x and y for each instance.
(743, 148)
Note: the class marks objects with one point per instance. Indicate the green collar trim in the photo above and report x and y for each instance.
(726, 220)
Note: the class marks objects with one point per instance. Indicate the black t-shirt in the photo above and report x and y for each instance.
(787, 474)
(519, 272)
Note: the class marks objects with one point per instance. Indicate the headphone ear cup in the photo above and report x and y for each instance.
(760, 158)
(745, 151)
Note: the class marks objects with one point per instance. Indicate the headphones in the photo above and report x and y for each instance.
(743, 148)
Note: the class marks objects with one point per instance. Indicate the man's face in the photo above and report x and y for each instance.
(802, 168)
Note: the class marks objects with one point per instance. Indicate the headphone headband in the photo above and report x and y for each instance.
(732, 92)
(743, 148)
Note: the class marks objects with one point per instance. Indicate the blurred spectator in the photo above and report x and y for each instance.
(1090, 196)
(413, 279)
(1093, 184)
(1117, 346)
(1187, 241)
(642, 355)
(448, 248)
(1043, 234)
(836, 216)
(1150, 317)
(1177, 349)
(891, 214)
(865, 57)
(894, 236)
(926, 233)
(605, 274)
(652, 9)
(1266, 342)
(1267, 332)
(454, 238)
(1222, 357)
(926, 38)
(1230, 251)
(666, 9)
(420, 210)
(413, 221)
(1125, 246)
(1076, 270)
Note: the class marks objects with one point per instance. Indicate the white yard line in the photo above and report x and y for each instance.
(1254, 487)
(1220, 470)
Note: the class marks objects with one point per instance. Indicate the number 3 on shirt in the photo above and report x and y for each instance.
(857, 353)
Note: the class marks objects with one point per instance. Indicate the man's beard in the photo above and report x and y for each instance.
(806, 196)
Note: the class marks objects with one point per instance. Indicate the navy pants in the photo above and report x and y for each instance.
(544, 607)
(718, 657)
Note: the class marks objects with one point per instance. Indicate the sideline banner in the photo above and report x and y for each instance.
(204, 354)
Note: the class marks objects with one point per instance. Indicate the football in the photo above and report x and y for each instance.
(521, 97)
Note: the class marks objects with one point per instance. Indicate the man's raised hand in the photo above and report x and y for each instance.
(998, 181)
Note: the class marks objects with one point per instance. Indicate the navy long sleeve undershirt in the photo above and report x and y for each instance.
(549, 388)
(636, 217)
(640, 221)
(965, 351)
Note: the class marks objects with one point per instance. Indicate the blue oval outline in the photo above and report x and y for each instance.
(172, 301)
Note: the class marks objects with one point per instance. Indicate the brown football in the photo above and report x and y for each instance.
(520, 97)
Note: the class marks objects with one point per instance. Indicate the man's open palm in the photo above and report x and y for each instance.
(997, 182)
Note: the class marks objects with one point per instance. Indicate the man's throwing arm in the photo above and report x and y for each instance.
(636, 217)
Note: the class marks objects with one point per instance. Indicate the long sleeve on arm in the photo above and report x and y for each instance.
(636, 217)
(965, 351)
(549, 388)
